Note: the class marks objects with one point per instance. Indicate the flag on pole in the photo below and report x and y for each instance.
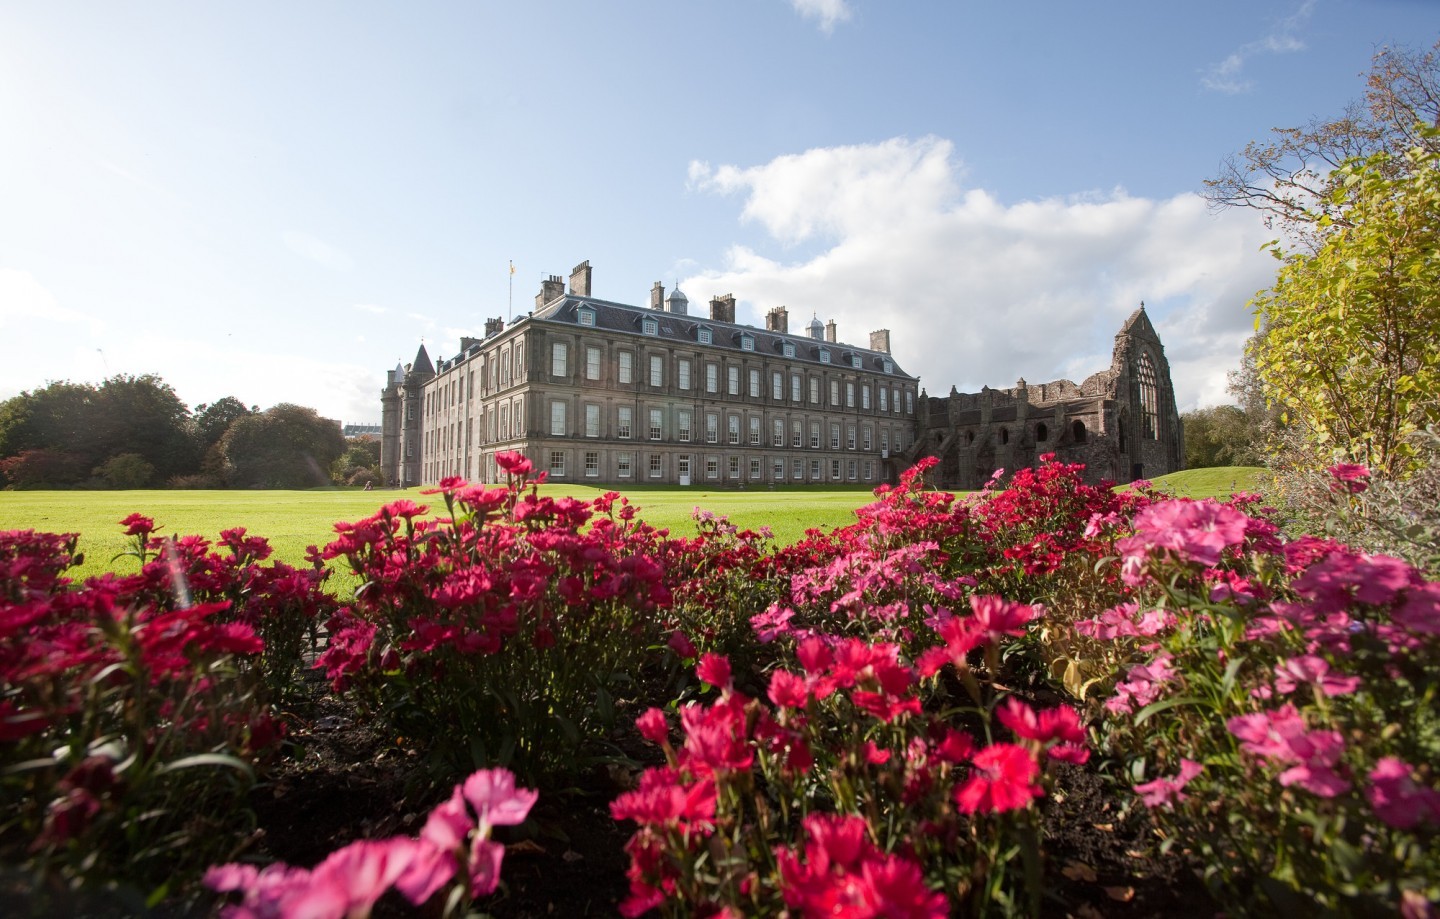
(512, 266)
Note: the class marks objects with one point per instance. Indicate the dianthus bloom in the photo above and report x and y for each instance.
(1398, 799)
(1163, 792)
(1351, 478)
(1002, 779)
(1196, 531)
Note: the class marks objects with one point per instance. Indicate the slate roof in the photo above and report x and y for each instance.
(674, 327)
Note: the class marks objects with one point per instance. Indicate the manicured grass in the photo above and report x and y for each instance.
(1217, 482)
(292, 520)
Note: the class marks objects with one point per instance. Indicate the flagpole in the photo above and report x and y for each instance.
(510, 304)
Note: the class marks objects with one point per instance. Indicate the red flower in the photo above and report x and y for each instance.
(1003, 779)
(715, 670)
(1351, 478)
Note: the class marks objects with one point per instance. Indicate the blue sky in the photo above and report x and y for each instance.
(279, 201)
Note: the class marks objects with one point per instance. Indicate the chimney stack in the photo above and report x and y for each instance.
(494, 326)
(657, 296)
(551, 289)
(580, 279)
(777, 320)
(722, 309)
(880, 340)
(830, 330)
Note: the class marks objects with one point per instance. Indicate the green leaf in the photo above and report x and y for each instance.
(1164, 705)
(207, 759)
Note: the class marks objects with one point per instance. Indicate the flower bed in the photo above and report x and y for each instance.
(900, 717)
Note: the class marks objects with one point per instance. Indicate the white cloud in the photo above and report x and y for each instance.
(1227, 76)
(371, 308)
(24, 300)
(977, 292)
(828, 13)
(316, 250)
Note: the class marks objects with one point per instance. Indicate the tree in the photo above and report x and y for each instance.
(125, 470)
(286, 446)
(1349, 341)
(213, 419)
(360, 463)
(1221, 436)
(1292, 178)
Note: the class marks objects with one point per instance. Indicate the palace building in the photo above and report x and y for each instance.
(600, 392)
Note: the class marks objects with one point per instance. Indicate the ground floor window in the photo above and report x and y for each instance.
(557, 463)
(622, 465)
(797, 469)
(815, 470)
(777, 469)
(734, 467)
(850, 470)
(592, 464)
(754, 469)
(682, 464)
(869, 470)
(655, 466)
(835, 469)
(712, 467)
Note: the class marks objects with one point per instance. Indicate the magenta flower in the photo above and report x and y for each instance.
(1398, 799)
(653, 726)
(1351, 478)
(1314, 670)
(1163, 792)
(996, 617)
(1196, 531)
(496, 800)
(715, 670)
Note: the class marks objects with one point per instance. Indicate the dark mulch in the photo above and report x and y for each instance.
(346, 781)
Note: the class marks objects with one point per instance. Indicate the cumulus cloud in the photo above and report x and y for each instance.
(828, 13)
(316, 250)
(1228, 75)
(979, 292)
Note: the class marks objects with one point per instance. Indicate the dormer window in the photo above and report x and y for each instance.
(703, 333)
(788, 348)
(889, 367)
(824, 356)
(747, 343)
(587, 316)
(650, 326)
(855, 361)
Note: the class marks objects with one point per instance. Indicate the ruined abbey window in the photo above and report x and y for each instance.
(1149, 400)
(1077, 430)
(1042, 433)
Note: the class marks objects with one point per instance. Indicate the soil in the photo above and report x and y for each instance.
(346, 781)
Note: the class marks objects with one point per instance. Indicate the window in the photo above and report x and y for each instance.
(627, 367)
(788, 349)
(704, 336)
(814, 390)
(682, 425)
(592, 464)
(656, 423)
(909, 402)
(624, 418)
(896, 396)
(650, 326)
(732, 427)
(777, 386)
(850, 470)
(1077, 431)
(557, 418)
(865, 440)
(1042, 433)
(885, 442)
(754, 430)
(777, 469)
(656, 468)
(504, 422)
(777, 433)
(794, 387)
(797, 434)
(712, 428)
(592, 421)
(519, 416)
(849, 437)
(814, 435)
(754, 384)
(889, 367)
(734, 467)
(732, 380)
(835, 469)
(869, 470)
(657, 370)
(884, 399)
(557, 463)
(849, 395)
(797, 470)
(747, 343)
(815, 470)
(824, 356)
(712, 377)
(1149, 401)
(587, 317)
(559, 353)
(592, 363)
(834, 436)
(865, 397)
(712, 467)
(683, 372)
(835, 393)
(682, 465)
(855, 362)
(754, 469)
(622, 465)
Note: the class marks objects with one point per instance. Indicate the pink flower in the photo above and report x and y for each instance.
(1398, 799)
(681, 644)
(496, 800)
(1002, 779)
(1196, 531)
(1281, 737)
(1314, 670)
(1057, 728)
(1351, 478)
(1163, 792)
(996, 617)
(715, 670)
(514, 463)
(653, 726)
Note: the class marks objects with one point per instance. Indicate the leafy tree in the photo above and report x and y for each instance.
(1349, 341)
(1292, 179)
(286, 446)
(125, 470)
(360, 463)
(213, 419)
(1223, 435)
(41, 468)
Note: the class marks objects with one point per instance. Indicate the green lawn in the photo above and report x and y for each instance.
(292, 520)
(1218, 482)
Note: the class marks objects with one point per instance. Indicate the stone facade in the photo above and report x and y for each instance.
(1121, 422)
(607, 393)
